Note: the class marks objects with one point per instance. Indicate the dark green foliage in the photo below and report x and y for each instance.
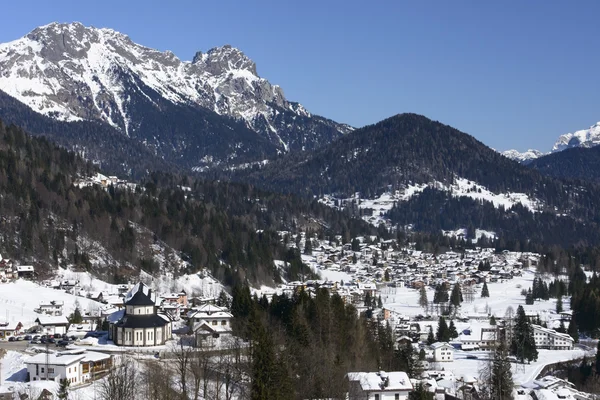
(456, 297)
(559, 304)
(575, 163)
(211, 223)
(501, 383)
(63, 389)
(572, 330)
(493, 320)
(452, 332)
(523, 343)
(430, 337)
(443, 333)
(441, 294)
(413, 149)
(76, 317)
(485, 292)
(420, 392)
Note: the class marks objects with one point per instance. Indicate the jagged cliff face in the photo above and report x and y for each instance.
(71, 73)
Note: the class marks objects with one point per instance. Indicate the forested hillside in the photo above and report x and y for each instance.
(230, 229)
(575, 163)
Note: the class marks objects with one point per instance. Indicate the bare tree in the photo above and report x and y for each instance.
(121, 382)
(158, 382)
(183, 358)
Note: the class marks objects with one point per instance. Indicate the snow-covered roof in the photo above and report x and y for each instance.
(382, 381)
(52, 320)
(55, 359)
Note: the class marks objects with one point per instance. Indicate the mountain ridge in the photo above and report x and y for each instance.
(72, 73)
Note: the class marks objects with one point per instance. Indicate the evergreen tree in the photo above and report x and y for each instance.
(368, 300)
(561, 327)
(485, 292)
(441, 294)
(493, 320)
(420, 392)
(422, 355)
(63, 390)
(443, 333)
(559, 305)
(456, 297)
(452, 332)
(423, 302)
(529, 297)
(523, 343)
(430, 337)
(572, 330)
(501, 382)
(76, 317)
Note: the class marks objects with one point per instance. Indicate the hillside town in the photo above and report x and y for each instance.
(81, 333)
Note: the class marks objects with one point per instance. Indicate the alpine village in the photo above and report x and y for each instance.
(181, 230)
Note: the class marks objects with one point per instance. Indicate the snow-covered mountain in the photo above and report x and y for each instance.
(71, 72)
(584, 138)
(524, 156)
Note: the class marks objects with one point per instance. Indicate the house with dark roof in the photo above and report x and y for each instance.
(140, 324)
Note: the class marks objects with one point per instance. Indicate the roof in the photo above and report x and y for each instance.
(140, 295)
(376, 381)
(438, 345)
(142, 321)
(55, 359)
(205, 326)
(24, 268)
(52, 320)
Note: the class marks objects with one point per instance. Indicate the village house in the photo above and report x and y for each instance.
(379, 385)
(25, 271)
(52, 325)
(77, 367)
(8, 329)
(54, 308)
(442, 352)
(211, 314)
(140, 324)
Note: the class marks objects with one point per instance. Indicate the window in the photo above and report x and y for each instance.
(214, 322)
(223, 322)
(376, 397)
(50, 370)
(42, 370)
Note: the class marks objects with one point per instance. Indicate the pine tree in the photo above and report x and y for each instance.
(368, 300)
(442, 334)
(63, 390)
(559, 305)
(423, 302)
(456, 298)
(485, 292)
(452, 332)
(430, 337)
(420, 392)
(493, 320)
(572, 330)
(76, 317)
(523, 343)
(379, 302)
(501, 385)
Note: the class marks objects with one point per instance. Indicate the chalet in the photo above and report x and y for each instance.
(8, 329)
(52, 325)
(212, 315)
(207, 335)
(25, 271)
(442, 352)
(379, 385)
(54, 308)
(77, 367)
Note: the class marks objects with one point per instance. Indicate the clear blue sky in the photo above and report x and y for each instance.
(512, 73)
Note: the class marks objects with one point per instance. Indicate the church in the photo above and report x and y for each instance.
(140, 324)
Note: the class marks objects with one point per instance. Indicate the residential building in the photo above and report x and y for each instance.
(52, 325)
(550, 339)
(212, 315)
(77, 366)
(8, 329)
(379, 385)
(50, 308)
(25, 271)
(442, 352)
(140, 323)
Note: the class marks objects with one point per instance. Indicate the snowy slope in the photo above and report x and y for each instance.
(524, 156)
(71, 72)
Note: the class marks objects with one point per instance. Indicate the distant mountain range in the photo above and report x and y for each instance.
(212, 111)
(584, 138)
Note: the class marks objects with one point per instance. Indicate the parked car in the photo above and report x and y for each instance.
(51, 340)
(20, 338)
(43, 340)
(57, 336)
(35, 341)
(62, 343)
(28, 337)
(36, 337)
(12, 339)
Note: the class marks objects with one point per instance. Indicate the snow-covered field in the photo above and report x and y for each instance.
(18, 300)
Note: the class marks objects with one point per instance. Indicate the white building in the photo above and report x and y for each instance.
(52, 325)
(140, 324)
(212, 315)
(442, 352)
(77, 367)
(379, 385)
(550, 339)
(50, 308)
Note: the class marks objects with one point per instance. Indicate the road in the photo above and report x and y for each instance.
(16, 346)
